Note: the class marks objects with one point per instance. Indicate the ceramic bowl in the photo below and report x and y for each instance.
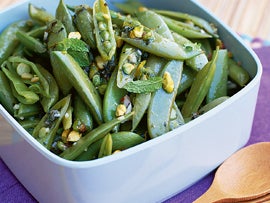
(152, 171)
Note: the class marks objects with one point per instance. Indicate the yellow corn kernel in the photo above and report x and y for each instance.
(74, 35)
(128, 68)
(64, 135)
(167, 82)
(121, 109)
(74, 136)
(137, 32)
(116, 151)
(35, 79)
(100, 62)
(142, 8)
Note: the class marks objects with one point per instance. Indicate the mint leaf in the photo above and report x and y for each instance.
(78, 49)
(144, 86)
(81, 57)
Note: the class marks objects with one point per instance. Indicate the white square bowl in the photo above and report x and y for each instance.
(152, 171)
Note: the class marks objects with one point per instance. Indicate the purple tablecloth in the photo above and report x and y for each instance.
(11, 190)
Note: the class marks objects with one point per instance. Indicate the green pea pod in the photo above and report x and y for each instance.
(62, 14)
(31, 43)
(202, 23)
(237, 73)
(112, 97)
(189, 49)
(98, 133)
(185, 29)
(8, 39)
(218, 87)
(121, 141)
(56, 33)
(27, 110)
(187, 79)
(195, 57)
(199, 88)
(104, 33)
(29, 123)
(141, 104)
(129, 6)
(212, 104)
(106, 146)
(19, 89)
(130, 58)
(142, 101)
(48, 126)
(157, 45)
(84, 22)
(39, 15)
(197, 62)
(38, 31)
(48, 102)
(42, 80)
(7, 99)
(154, 21)
(83, 120)
(161, 104)
(79, 80)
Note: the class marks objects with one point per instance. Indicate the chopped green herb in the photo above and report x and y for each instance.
(144, 86)
(78, 49)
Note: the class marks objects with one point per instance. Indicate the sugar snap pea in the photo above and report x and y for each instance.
(237, 73)
(80, 82)
(8, 39)
(19, 89)
(104, 33)
(112, 97)
(185, 29)
(120, 141)
(210, 28)
(154, 21)
(84, 22)
(212, 104)
(7, 99)
(83, 120)
(39, 15)
(46, 129)
(106, 146)
(159, 112)
(129, 60)
(218, 87)
(31, 43)
(27, 110)
(62, 14)
(199, 88)
(41, 80)
(195, 57)
(91, 137)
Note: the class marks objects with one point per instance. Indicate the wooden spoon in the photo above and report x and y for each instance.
(243, 176)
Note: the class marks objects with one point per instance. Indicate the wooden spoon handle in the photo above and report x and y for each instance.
(265, 198)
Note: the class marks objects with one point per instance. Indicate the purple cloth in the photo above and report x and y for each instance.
(11, 190)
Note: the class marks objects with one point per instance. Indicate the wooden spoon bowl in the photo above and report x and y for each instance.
(243, 176)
